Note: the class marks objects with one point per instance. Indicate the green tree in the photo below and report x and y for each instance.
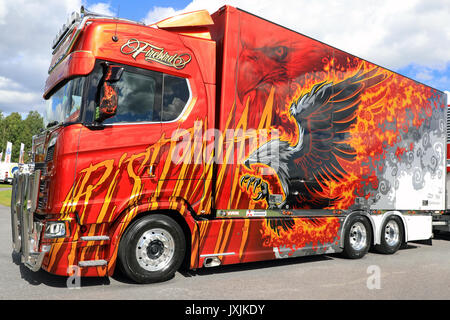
(14, 128)
(2, 133)
(17, 131)
(33, 124)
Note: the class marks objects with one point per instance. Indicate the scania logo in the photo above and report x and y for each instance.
(134, 47)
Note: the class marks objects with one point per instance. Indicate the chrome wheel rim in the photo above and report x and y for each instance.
(392, 233)
(155, 249)
(358, 236)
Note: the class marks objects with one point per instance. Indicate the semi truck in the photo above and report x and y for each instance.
(213, 139)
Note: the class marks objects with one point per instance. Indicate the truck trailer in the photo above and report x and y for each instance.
(441, 222)
(214, 139)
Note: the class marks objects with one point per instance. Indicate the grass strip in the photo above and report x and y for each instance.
(5, 198)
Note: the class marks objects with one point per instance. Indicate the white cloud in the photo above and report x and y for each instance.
(6, 83)
(18, 97)
(27, 29)
(159, 13)
(14, 93)
(26, 34)
(390, 33)
(3, 11)
(102, 8)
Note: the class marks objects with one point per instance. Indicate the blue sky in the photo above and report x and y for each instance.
(137, 9)
(411, 37)
(437, 77)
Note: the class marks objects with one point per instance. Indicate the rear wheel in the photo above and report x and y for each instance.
(357, 238)
(152, 249)
(391, 236)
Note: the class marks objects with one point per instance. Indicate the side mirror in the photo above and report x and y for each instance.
(108, 99)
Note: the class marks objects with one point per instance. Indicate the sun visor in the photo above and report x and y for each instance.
(199, 18)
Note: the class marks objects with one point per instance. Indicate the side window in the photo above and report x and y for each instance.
(139, 98)
(176, 95)
(76, 91)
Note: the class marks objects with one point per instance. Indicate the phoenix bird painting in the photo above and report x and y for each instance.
(282, 65)
(323, 117)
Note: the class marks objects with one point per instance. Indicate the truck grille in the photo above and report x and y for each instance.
(49, 156)
(43, 196)
(43, 184)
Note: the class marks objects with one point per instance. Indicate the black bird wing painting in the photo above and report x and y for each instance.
(324, 116)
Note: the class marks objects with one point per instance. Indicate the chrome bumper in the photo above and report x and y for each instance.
(26, 232)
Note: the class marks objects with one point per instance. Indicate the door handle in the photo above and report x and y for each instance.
(149, 170)
(151, 174)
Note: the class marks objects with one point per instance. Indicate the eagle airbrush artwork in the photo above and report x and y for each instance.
(314, 159)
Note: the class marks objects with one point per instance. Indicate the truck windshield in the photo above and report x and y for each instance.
(65, 104)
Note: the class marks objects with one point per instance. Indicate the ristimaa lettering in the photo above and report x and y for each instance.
(135, 47)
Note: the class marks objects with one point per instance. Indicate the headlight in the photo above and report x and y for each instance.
(55, 229)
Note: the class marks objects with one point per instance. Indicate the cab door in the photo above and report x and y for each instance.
(118, 160)
(186, 175)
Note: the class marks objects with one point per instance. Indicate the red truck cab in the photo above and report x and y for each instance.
(166, 83)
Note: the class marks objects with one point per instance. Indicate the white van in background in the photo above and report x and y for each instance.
(7, 171)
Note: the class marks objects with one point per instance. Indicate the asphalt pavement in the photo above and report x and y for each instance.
(419, 271)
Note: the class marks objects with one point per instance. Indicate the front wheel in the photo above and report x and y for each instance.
(357, 238)
(152, 249)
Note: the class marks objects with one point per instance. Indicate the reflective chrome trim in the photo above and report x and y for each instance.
(344, 219)
(55, 229)
(78, 28)
(26, 232)
(392, 233)
(34, 261)
(15, 226)
(94, 238)
(358, 236)
(61, 39)
(217, 254)
(92, 263)
(155, 249)
(212, 262)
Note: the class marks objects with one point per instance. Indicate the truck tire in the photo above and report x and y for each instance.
(391, 237)
(152, 249)
(357, 237)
